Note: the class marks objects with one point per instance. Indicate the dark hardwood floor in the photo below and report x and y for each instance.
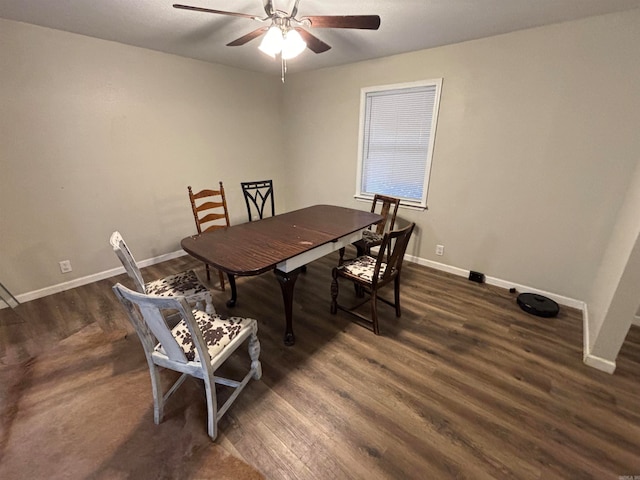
(463, 385)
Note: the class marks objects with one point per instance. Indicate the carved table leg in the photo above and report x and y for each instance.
(334, 291)
(234, 293)
(287, 282)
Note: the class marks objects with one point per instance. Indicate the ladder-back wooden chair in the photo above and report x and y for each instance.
(185, 284)
(210, 213)
(257, 196)
(197, 346)
(369, 274)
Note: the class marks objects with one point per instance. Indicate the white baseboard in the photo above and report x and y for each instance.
(589, 359)
(592, 360)
(598, 363)
(438, 266)
(562, 300)
(77, 282)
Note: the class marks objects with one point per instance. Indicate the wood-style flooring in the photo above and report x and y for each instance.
(463, 385)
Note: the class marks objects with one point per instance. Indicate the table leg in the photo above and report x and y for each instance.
(341, 259)
(287, 282)
(234, 292)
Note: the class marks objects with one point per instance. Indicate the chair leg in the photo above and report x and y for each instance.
(212, 406)
(254, 354)
(341, 259)
(209, 308)
(158, 396)
(396, 287)
(374, 311)
(206, 267)
(221, 276)
(334, 291)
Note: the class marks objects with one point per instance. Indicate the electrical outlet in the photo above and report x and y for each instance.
(65, 266)
(439, 249)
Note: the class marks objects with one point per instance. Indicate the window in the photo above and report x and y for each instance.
(397, 131)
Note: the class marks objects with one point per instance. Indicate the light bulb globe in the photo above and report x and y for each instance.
(272, 42)
(293, 45)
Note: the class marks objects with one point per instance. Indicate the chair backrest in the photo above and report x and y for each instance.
(392, 250)
(386, 204)
(129, 263)
(209, 209)
(257, 195)
(145, 313)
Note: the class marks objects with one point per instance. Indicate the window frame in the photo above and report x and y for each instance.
(364, 92)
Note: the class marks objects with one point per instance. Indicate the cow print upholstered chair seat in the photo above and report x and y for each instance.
(363, 267)
(216, 332)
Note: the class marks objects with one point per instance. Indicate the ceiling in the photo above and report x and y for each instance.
(406, 25)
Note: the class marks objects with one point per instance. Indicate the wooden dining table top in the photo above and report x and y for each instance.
(255, 247)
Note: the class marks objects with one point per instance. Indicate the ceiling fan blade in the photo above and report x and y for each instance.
(294, 10)
(248, 37)
(368, 22)
(221, 12)
(268, 7)
(313, 43)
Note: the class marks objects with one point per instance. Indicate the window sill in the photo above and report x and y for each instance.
(408, 206)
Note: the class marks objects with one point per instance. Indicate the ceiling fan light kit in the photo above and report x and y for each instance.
(286, 36)
(288, 43)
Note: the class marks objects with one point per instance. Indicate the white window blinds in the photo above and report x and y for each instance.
(397, 134)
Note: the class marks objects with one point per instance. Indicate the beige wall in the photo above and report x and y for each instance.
(535, 148)
(97, 136)
(615, 296)
(536, 143)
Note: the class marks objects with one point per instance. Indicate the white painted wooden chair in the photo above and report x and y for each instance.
(185, 284)
(197, 346)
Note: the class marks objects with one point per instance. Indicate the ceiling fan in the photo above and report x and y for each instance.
(286, 34)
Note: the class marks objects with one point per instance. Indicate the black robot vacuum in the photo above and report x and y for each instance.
(538, 305)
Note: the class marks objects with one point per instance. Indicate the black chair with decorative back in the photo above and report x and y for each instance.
(258, 195)
(370, 274)
(210, 213)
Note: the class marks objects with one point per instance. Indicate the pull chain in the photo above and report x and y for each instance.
(284, 68)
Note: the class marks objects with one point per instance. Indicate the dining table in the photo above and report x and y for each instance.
(284, 243)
